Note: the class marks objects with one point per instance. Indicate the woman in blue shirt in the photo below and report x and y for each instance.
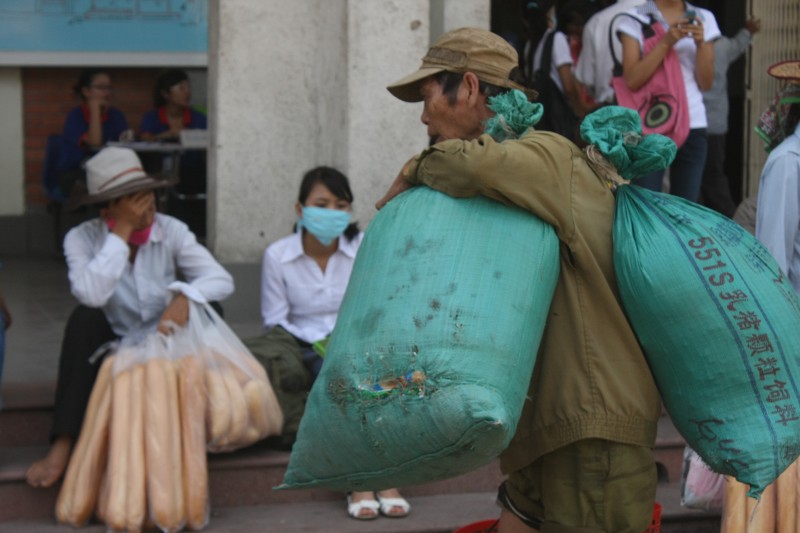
(88, 127)
(172, 98)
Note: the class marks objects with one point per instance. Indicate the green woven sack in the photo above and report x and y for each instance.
(720, 326)
(429, 364)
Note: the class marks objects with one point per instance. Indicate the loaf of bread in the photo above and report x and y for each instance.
(137, 488)
(761, 512)
(786, 499)
(734, 507)
(79, 490)
(238, 408)
(118, 463)
(192, 390)
(218, 409)
(163, 445)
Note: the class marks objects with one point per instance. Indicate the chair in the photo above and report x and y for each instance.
(51, 185)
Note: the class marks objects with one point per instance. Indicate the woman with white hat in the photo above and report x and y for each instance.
(124, 268)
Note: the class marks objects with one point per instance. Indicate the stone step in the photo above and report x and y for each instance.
(240, 479)
(437, 513)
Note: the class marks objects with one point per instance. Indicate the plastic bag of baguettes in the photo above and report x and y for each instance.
(241, 407)
(158, 405)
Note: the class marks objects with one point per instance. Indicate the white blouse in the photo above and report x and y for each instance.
(296, 294)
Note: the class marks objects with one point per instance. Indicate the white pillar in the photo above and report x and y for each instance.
(387, 40)
(293, 85)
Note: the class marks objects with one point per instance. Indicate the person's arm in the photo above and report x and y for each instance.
(704, 59)
(778, 212)
(206, 280)
(94, 275)
(534, 173)
(562, 59)
(94, 135)
(586, 69)
(637, 69)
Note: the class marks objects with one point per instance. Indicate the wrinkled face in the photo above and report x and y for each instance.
(179, 94)
(446, 121)
(321, 196)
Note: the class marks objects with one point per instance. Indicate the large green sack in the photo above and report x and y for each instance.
(720, 326)
(429, 364)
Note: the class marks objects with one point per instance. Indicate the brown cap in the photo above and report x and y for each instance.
(485, 54)
(786, 70)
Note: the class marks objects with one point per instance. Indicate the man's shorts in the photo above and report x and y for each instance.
(591, 485)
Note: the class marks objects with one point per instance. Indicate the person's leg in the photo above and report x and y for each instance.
(653, 181)
(715, 190)
(592, 485)
(87, 329)
(686, 172)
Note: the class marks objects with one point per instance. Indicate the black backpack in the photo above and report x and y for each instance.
(558, 116)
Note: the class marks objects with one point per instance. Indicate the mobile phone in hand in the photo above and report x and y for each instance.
(690, 15)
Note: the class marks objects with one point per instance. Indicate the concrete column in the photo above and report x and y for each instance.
(448, 15)
(386, 41)
(293, 85)
(12, 190)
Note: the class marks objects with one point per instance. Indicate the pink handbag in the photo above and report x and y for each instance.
(661, 101)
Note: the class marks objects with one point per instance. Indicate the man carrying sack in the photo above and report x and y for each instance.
(582, 458)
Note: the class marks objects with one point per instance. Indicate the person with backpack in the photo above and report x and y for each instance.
(690, 31)
(550, 67)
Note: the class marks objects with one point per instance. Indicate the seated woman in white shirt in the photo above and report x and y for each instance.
(304, 277)
(123, 269)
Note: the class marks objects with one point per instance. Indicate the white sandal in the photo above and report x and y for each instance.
(354, 508)
(387, 504)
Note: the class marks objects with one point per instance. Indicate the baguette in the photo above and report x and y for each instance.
(79, 491)
(262, 405)
(118, 463)
(734, 507)
(786, 500)
(162, 445)
(238, 409)
(218, 410)
(192, 389)
(102, 499)
(137, 489)
(761, 512)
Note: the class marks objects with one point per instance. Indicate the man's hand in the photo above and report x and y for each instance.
(398, 186)
(753, 25)
(176, 314)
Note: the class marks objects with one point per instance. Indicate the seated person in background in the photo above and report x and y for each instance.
(303, 281)
(87, 128)
(123, 269)
(172, 97)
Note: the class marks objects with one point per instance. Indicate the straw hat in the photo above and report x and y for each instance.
(786, 70)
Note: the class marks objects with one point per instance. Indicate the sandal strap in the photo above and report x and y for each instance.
(387, 504)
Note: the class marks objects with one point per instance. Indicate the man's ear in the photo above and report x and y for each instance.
(473, 87)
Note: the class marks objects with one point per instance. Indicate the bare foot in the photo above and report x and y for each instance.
(367, 510)
(392, 503)
(45, 472)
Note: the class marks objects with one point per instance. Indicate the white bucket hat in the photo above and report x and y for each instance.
(115, 172)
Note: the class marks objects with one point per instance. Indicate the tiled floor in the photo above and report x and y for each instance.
(37, 293)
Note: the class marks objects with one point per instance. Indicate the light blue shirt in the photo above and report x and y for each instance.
(134, 296)
(778, 213)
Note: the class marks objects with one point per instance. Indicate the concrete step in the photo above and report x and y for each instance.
(437, 513)
(240, 479)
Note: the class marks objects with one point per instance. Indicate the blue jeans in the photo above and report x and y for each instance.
(686, 172)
